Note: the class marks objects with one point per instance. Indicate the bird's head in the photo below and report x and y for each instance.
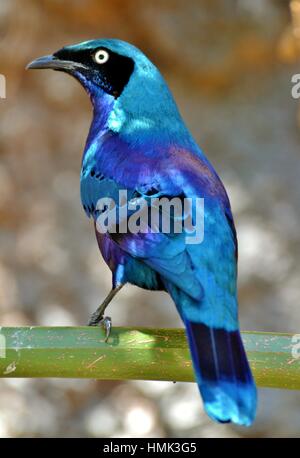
(121, 81)
(101, 66)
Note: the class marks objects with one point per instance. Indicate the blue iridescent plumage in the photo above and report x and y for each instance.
(139, 142)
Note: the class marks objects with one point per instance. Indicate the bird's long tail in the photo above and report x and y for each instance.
(223, 373)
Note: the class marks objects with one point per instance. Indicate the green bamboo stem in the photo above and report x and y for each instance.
(142, 353)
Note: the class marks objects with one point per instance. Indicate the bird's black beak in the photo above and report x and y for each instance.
(54, 63)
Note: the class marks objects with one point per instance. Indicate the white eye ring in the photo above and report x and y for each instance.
(101, 56)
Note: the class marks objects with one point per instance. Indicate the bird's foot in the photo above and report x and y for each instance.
(104, 321)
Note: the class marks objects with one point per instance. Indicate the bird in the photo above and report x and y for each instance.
(138, 142)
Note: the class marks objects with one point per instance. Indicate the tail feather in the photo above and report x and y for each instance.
(223, 373)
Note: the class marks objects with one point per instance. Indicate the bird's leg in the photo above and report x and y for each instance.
(98, 315)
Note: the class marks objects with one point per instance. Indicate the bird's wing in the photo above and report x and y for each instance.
(205, 270)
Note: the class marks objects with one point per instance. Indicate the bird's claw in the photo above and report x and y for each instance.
(106, 323)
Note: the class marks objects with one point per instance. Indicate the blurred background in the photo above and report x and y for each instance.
(229, 64)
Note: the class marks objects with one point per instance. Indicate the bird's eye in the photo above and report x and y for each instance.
(101, 56)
